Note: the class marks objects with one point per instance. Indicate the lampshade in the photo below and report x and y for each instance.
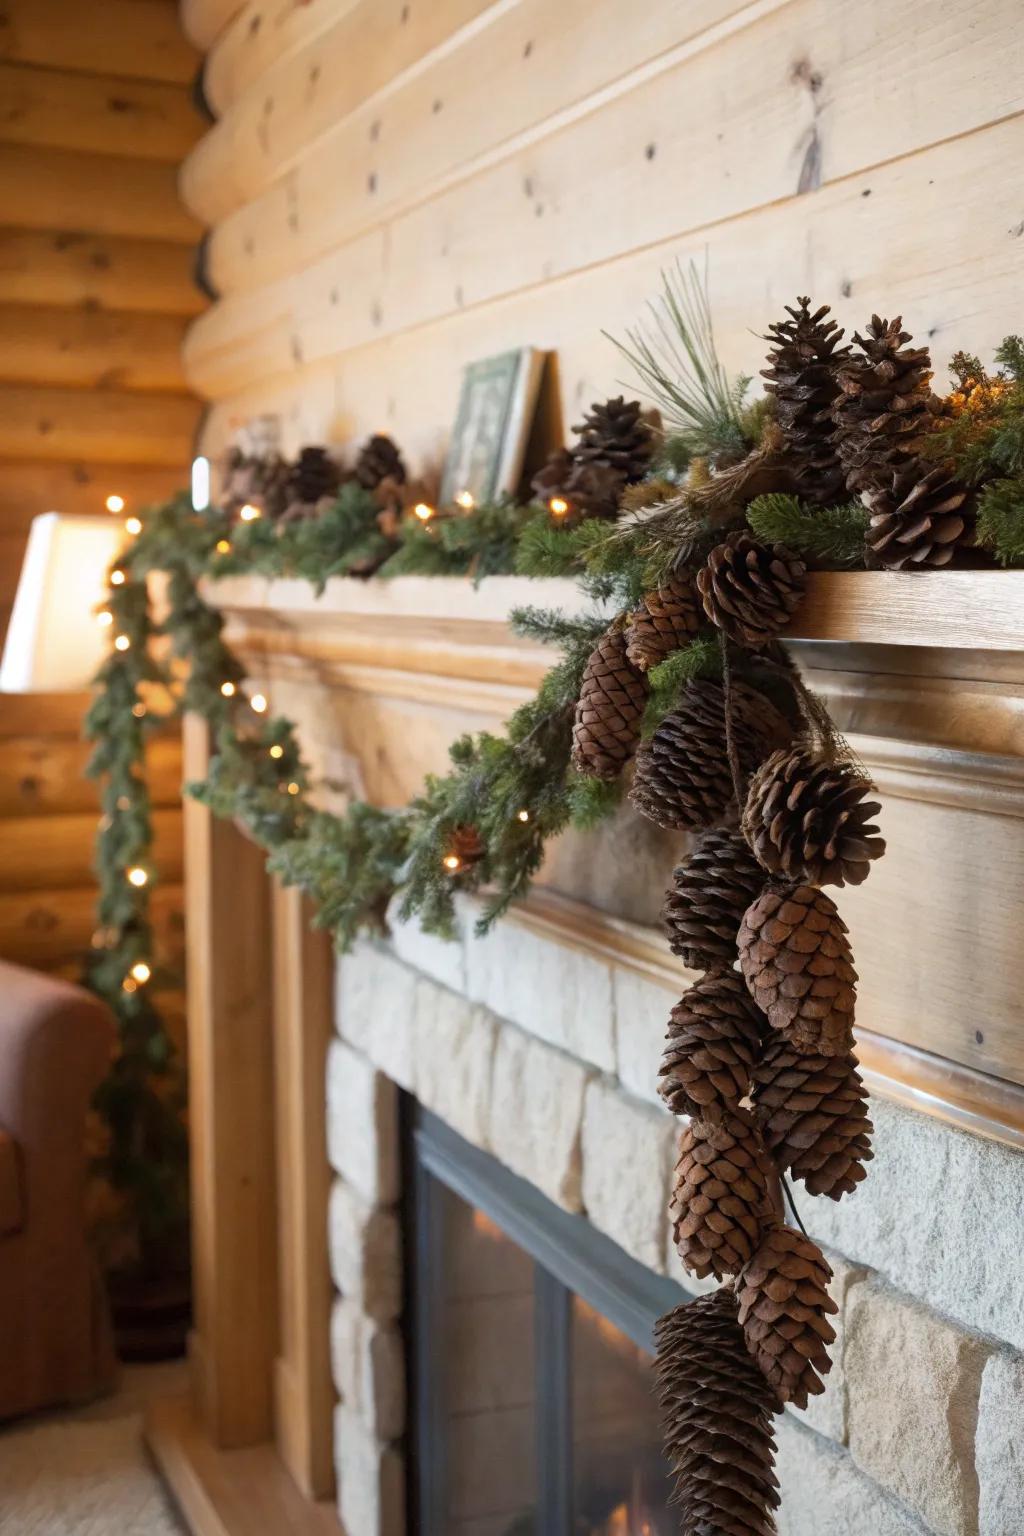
(54, 644)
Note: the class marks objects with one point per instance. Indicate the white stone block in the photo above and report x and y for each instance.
(537, 1113)
(365, 1245)
(371, 1479)
(442, 959)
(368, 1366)
(827, 1413)
(642, 1009)
(913, 1381)
(1000, 1446)
(823, 1493)
(362, 1124)
(553, 992)
(628, 1155)
(375, 1007)
(454, 1060)
(940, 1215)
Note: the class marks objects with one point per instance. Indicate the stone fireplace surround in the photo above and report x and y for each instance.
(922, 1425)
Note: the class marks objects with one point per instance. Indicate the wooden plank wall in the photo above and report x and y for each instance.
(96, 256)
(394, 187)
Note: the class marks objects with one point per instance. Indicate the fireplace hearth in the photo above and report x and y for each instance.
(530, 1358)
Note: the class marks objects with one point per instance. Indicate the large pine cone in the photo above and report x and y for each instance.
(813, 1115)
(611, 705)
(803, 370)
(666, 620)
(722, 1194)
(379, 459)
(751, 590)
(683, 778)
(313, 477)
(716, 1409)
(714, 1039)
(593, 490)
(784, 1308)
(918, 519)
(259, 482)
(709, 894)
(886, 407)
(552, 478)
(615, 433)
(808, 820)
(797, 962)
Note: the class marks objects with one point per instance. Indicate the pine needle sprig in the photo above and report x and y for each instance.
(349, 866)
(827, 536)
(1001, 520)
(701, 658)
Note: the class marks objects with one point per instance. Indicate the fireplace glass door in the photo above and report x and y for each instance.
(533, 1404)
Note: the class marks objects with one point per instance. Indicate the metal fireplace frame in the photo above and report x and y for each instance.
(571, 1258)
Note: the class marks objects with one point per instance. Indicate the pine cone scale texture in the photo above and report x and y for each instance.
(611, 705)
(796, 961)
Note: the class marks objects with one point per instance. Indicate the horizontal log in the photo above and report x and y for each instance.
(40, 853)
(45, 775)
(12, 554)
(112, 272)
(99, 194)
(101, 425)
(256, 37)
(29, 714)
(137, 38)
(307, 92)
(105, 114)
(100, 349)
(48, 929)
(30, 487)
(203, 21)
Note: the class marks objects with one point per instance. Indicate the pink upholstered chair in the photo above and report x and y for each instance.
(55, 1045)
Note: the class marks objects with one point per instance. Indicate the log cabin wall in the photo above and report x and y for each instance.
(96, 257)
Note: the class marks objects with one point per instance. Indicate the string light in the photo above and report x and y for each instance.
(558, 506)
(128, 985)
(223, 547)
(117, 577)
(121, 643)
(137, 876)
(115, 503)
(277, 751)
(258, 702)
(141, 972)
(104, 617)
(249, 513)
(133, 525)
(138, 710)
(423, 511)
(451, 861)
(465, 500)
(228, 690)
(293, 788)
(522, 816)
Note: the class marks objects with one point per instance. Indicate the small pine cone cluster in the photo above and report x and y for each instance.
(796, 960)
(666, 620)
(379, 459)
(714, 1039)
(751, 590)
(717, 1410)
(885, 408)
(710, 891)
(807, 819)
(784, 1307)
(803, 376)
(813, 1114)
(683, 779)
(722, 1195)
(919, 518)
(610, 709)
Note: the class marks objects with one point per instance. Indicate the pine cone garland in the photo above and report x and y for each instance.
(803, 376)
(751, 590)
(683, 778)
(379, 459)
(666, 620)
(721, 1195)
(611, 705)
(714, 1039)
(813, 1114)
(615, 434)
(717, 1413)
(885, 407)
(796, 961)
(918, 519)
(784, 1308)
(709, 894)
(808, 820)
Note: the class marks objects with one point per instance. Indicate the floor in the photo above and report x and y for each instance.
(86, 1472)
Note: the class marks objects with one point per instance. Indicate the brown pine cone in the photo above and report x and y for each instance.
(379, 459)
(593, 490)
(920, 518)
(714, 1039)
(710, 891)
(722, 1194)
(803, 376)
(666, 620)
(751, 590)
(813, 1115)
(797, 963)
(716, 1409)
(611, 705)
(885, 408)
(553, 478)
(784, 1308)
(466, 847)
(614, 433)
(683, 778)
(808, 820)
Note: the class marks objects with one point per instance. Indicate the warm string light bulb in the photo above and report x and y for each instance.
(117, 577)
(115, 504)
(138, 710)
(558, 506)
(137, 876)
(423, 511)
(452, 862)
(258, 702)
(121, 643)
(133, 525)
(293, 788)
(228, 690)
(465, 500)
(223, 547)
(104, 617)
(141, 972)
(522, 815)
(249, 513)
(277, 750)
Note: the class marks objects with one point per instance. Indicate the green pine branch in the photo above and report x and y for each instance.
(828, 536)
